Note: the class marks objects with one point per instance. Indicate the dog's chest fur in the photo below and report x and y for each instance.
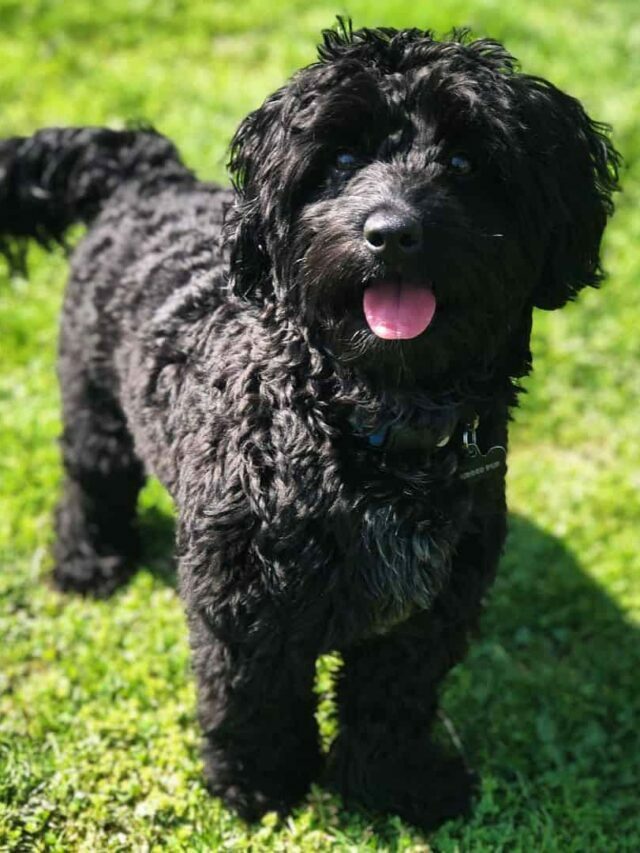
(240, 417)
(254, 448)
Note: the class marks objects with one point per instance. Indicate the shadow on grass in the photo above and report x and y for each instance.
(547, 703)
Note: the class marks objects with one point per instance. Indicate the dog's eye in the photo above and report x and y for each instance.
(460, 164)
(345, 161)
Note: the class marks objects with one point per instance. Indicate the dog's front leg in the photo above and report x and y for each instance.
(384, 757)
(255, 703)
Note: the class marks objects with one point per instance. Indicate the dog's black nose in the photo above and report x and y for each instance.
(392, 234)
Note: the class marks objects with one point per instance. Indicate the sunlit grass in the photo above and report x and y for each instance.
(98, 741)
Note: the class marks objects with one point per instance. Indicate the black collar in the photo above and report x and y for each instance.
(455, 430)
(426, 434)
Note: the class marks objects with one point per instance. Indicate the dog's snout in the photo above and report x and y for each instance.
(392, 234)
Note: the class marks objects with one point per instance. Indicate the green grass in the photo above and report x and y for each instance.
(98, 742)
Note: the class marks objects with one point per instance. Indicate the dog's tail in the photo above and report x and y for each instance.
(60, 176)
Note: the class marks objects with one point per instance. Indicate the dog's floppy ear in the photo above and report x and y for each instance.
(577, 172)
(254, 152)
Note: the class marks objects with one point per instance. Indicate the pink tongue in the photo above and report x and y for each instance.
(398, 311)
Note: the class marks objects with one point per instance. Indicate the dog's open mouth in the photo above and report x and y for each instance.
(398, 310)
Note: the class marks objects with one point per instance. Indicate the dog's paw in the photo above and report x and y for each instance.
(252, 788)
(426, 792)
(90, 574)
(251, 805)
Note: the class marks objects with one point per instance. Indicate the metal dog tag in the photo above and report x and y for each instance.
(475, 465)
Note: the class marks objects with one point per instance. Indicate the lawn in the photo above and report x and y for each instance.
(98, 741)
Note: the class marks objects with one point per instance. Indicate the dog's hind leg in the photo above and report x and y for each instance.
(97, 539)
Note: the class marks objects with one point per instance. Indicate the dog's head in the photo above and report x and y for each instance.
(412, 200)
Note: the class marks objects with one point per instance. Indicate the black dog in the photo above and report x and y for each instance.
(317, 365)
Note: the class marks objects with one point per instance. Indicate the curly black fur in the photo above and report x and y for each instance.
(233, 362)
